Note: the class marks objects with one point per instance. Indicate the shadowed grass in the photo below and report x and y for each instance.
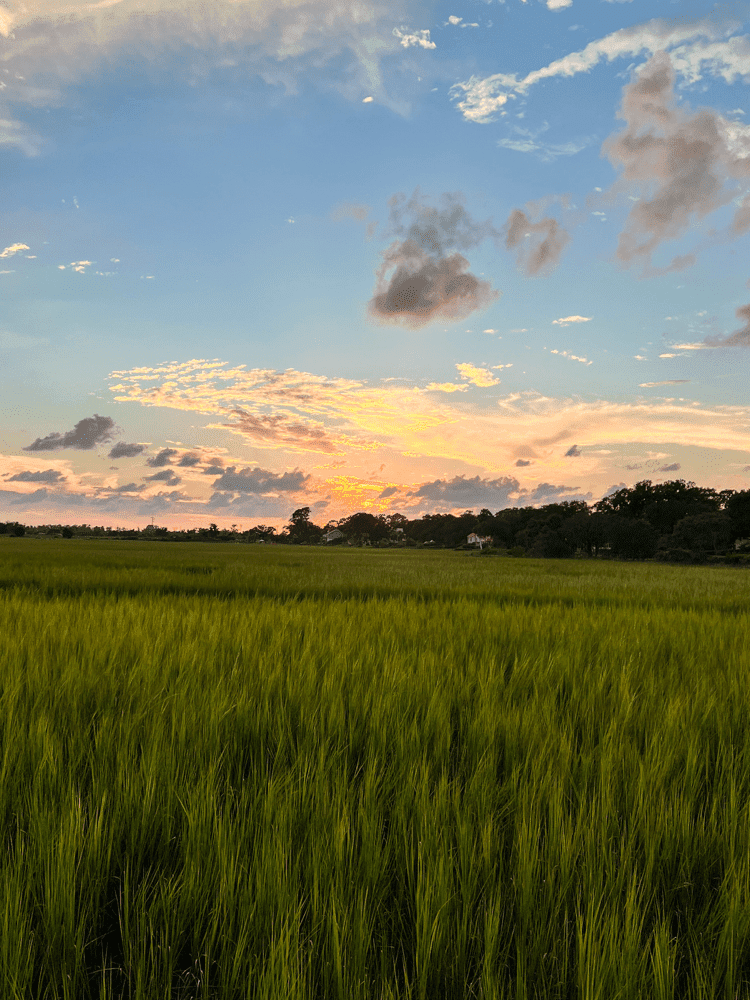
(490, 778)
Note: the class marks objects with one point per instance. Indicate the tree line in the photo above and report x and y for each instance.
(675, 521)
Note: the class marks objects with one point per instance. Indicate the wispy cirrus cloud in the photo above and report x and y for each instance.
(697, 46)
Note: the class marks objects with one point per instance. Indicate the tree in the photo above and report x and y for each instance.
(301, 529)
(702, 533)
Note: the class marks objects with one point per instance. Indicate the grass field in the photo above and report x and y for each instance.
(290, 773)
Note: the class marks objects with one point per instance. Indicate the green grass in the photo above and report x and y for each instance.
(304, 774)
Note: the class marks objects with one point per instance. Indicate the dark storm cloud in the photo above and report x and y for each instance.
(681, 159)
(48, 476)
(259, 481)
(538, 245)
(164, 457)
(422, 277)
(86, 434)
(124, 450)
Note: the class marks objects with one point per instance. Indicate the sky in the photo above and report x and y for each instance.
(257, 255)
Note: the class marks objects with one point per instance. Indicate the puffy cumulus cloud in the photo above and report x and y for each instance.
(414, 38)
(537, 245)
(86, 434)
(422, 278)
(697, 46)
(45, 476)
(565, 320)
(234, 480)
(13, 249)
(124, 450)
(482, 377)
(674, 467)
(189, 459)
(51, 43)
(446, 387)
(164, 457)
(680, 160)
(740, 338)
(559, 4)
(505, 491)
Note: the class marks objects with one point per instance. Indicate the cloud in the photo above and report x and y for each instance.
(420, 38)
(259, 481)
(124, 450)
(164, 457)
(674, 467)
(565, 320)
(506, 491)
(679, 160)
(14, 133)
(482, 99)
(482, 377)
(572, 357)
(538, 245)
(286, 43)
(13, 249)
(427, 282)
(521, 462)
(559, 4)
(446, 387)
(47, 476)
(166, 476)
(280, 430)
(86, 434)
(189, 459)
(573, 452)
(669, 381)
(547, 152)
(740, 338)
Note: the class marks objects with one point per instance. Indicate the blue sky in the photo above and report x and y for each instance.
(258, 256)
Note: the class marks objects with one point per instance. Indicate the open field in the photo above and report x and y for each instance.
(289, 773)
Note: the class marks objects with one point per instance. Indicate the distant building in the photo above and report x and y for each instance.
(332, 535)
(480, 540)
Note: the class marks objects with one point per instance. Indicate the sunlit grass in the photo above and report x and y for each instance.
(230, 771)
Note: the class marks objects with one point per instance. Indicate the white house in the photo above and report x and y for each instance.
(480, 540)
(332, 535)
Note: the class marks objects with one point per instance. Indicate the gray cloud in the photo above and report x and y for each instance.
(189, 459)
(447, 494)
(387, 492)
(538, 245)
(48, 476)
(350, 210)
(277, 428)
(165, 476)
(213, 470)
(86, 434)
(681, 159)
(259, 481)
(164, 457)
(669, 468)
(521, 462)
(740, 338)
(428, 279)
(124, 450)
(573, 452)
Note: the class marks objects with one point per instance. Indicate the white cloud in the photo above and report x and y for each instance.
(417, 38)
(558, 4)
(565, 320)
(572, 357)
(368, 100)
(694, 45)
(481, 377)
(454, 20)
(669, 381)
(81, 265)
(13, 249)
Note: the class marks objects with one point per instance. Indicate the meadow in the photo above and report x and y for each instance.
(290, 773)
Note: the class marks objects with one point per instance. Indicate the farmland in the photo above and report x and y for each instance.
(357, 774)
